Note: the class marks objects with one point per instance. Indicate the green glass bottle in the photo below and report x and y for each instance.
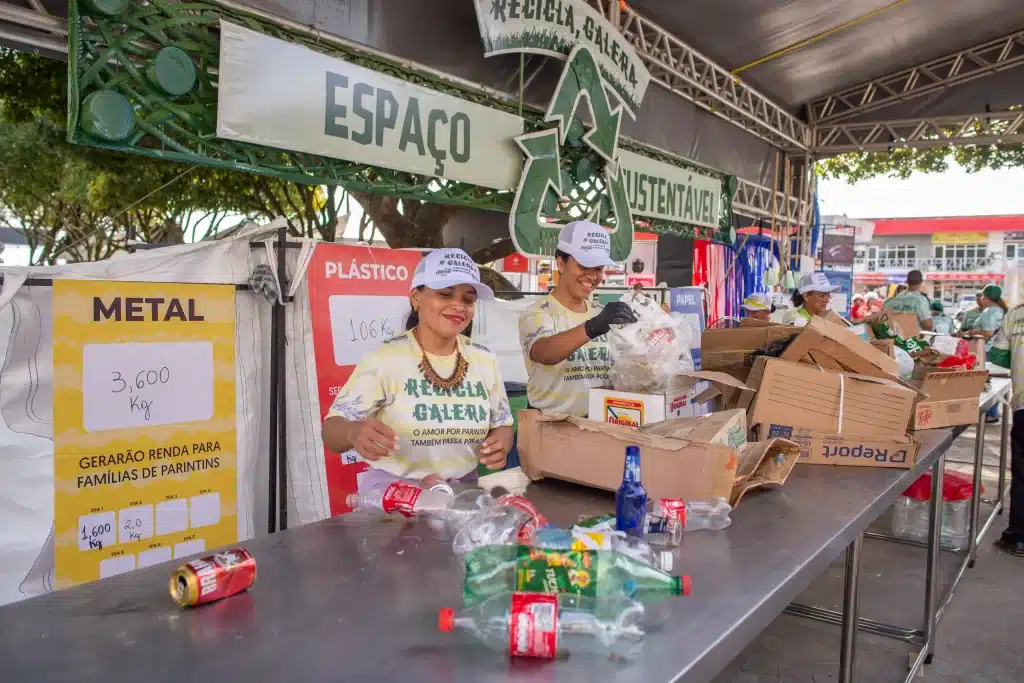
(495, 569)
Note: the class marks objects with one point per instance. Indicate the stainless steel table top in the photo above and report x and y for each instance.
(343, 600)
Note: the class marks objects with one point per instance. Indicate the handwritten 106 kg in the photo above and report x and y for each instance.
(143, 379)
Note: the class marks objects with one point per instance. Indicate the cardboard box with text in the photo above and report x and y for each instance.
(819, 448)
(953, 397)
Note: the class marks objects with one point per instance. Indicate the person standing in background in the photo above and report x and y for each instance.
(758, 306)
(941, 322)
(859, 308)
(810, 299)
(911, 300)
(874, 302)
(1008, 352)
(971, 315)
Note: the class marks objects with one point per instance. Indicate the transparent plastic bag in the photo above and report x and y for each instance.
(904, 364)
(646, 355)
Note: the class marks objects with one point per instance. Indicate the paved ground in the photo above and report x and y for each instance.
(981, 637)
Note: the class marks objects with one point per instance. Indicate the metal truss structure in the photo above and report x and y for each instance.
(755, 201)
(680, 69)
(953, 69)
(990, 128)
(34, 27)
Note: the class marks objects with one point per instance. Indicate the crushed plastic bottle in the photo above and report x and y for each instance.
(636, 548)
(697, 515)
(403, 498)
(496, 569)
(509, 519)
(549, 626)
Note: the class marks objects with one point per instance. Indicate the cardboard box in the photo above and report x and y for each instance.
(819, 448)
(905, 325)
(886, 346)
(952, 397)
(803, 396)
(592, 453)
(835, 347)
(727, 428)
(629, 409)
(728, 350)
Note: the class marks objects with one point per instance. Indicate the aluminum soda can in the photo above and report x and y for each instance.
(213, 577)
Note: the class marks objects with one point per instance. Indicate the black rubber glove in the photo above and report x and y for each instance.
(615, 313)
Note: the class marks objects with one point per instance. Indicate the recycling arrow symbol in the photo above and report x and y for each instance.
(532, 234)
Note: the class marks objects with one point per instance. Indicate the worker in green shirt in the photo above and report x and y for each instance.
(941, 322)
(1008, 352)
(970, 316)
(912, 301)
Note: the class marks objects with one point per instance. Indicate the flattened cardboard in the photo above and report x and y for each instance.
(803, 396)
(941, 384)
(818, 448)
(727, 391)
(728, 349)
(592, 453)
(848, 350)
(938, 414)
(903, 324)
(728, 428)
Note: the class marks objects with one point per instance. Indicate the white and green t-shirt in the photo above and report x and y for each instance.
(910, 302)
(438, 431)
(565, 387)
(1010, 337)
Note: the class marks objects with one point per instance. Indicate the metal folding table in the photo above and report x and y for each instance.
(997, 393)
(348, 600)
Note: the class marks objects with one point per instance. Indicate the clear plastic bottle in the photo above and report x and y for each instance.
(403, 498)
(509, 519)
(496, 569)
(549, 626)
(621, 543)
(698, 515)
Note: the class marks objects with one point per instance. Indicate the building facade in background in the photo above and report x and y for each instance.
(958, 255)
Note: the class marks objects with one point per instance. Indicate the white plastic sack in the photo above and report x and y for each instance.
(904, 363)
(646, 355)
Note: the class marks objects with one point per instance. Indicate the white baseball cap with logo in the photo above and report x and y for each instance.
(444, 268)
(586, 242)
(758, 301)
(816, 282)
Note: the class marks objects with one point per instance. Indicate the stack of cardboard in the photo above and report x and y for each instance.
(951, 397)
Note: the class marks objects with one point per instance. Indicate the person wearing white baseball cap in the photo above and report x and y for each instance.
(562, 336)
(429, 401)
(810, 299)
(758, 306)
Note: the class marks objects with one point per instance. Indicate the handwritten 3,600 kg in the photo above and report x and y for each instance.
(143, 379)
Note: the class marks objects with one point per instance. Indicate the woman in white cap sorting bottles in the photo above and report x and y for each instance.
(758, 306)
(562, 336)
(810, 299)
(430, 401)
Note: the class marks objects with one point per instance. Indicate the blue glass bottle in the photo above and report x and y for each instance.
(631, 498)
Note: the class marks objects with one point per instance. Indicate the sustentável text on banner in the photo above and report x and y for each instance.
(275, 93)
(358, 298)
(144, 425)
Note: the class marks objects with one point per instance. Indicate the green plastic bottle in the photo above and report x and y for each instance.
(495, 569)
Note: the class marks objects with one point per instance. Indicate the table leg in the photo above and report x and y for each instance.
(848, 642)
(932, 567)
(975, 512)
(1004, 445)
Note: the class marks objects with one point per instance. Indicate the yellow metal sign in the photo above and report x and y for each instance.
(959, 238)
(143, 424)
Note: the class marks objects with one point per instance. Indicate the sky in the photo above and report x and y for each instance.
(953, 193)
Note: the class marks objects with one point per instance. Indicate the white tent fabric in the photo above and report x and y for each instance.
(26, 394)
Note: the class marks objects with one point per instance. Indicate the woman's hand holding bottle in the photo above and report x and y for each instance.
(373, 439)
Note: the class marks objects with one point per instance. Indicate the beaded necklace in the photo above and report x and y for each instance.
(431, 375)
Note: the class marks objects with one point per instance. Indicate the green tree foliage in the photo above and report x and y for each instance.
(76, 203)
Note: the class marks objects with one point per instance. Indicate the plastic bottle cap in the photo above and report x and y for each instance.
(446, 619)
(666, 561)
(629, 587)
(686, 587)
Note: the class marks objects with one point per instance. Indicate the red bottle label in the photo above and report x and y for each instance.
(534, 628)
(400, 497)
(673, 508)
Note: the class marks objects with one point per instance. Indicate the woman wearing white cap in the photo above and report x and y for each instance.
(758, 306)
(429, 401)
(810, 299)
(562, 336)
